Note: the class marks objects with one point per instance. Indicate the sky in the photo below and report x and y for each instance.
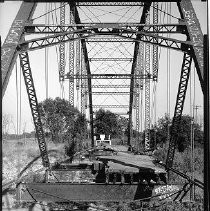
(23, 119)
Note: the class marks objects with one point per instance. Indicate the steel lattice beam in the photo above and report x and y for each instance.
(109, 76)
(71, 65)
(84, 91)
(136, 36)
(14, 36)
(112, 93)
(78, 64)
(110, 86)
(27, 74)
(155, 47)
(137, 88)
(87, 67)
(110, 59)
(109, 3)
(149, 28)
(110, 106)
(147, 94)
(62, 45)
(184, 78)
(136, 48)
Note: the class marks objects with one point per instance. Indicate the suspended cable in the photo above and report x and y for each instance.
(168, 9)
(46, 53)
(166, 13)
(124, 15)
(17, 99)
(52, 10)
(56, 21)
(191, 134)
(20, 107)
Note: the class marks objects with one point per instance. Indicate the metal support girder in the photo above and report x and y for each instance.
(135, 36)
(137, 90)
(14, 37)
(87, 66)
(71, 65)
(109, 76)
(27, 74)
(136, 48)
(195, 36)
(109, 3)
(155, 47)
(62, 45)
(149, 28)
(110, 106)
(110, 59)
(147, 95)
(83, 87)
(184, 78)
(206, 114)
(112, 93)
(141, 60)
(110, 86)
(78, 58)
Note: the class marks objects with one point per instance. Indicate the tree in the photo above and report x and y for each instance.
(58, 118)
(107, 123)
(184, 133)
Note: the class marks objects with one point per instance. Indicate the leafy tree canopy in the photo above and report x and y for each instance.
(61, 119)
(109, 123)
(159, 133)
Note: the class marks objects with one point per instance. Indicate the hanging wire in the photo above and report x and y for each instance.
(20, 102)
(168, 9)
(17, 99)
(166, 13)
(46, 53)
(62, 92)
(191, 133)
(52, 10)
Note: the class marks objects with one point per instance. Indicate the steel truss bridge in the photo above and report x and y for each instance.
(91, 72)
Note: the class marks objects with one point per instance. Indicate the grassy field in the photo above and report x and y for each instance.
(16, 155)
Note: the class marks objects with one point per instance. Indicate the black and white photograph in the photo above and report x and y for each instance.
(105, 105)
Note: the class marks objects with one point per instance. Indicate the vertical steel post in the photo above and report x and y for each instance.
(206, 126)
(71, 63)
(62, 45)
(142, 21)
(155, 47)
(87, 67)
(147, 93)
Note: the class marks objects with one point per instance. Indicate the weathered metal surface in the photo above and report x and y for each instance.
(150, 28)
(182, 89)
(166, 192)
(144, 15)
(85, 34)
(77, 20)
(195, 34)
(62, 45)
(79, 192)
(14, 37)
(142, 162)
(27, 74)
(58, 192)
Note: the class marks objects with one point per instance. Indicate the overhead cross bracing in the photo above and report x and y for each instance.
(103, 36)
